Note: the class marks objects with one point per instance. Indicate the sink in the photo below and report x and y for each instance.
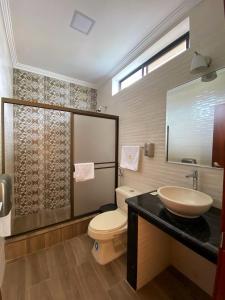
(184, 202)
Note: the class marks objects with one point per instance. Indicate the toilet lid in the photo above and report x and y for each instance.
(110, 220)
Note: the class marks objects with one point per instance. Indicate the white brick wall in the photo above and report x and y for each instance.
(142, 107)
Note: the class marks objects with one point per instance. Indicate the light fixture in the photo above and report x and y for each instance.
(209, 77)
(82, 22)
(200, 63)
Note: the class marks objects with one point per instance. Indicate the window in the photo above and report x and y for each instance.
(164, 49)
(166, 54)
(170, 54)
(131, 79)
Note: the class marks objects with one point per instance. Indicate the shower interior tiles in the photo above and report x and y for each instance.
(39, 153)
(40, 167)
(39, 143)
(38, 148)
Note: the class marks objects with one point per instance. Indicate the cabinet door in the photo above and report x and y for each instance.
(219, 292)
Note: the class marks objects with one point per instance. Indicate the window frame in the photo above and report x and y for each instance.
(171, 46)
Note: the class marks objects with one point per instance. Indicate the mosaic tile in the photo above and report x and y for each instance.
(41, 159)
(56, 92)
(42, 141)
(30, 86)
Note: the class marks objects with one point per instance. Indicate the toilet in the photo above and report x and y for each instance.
(109, 229)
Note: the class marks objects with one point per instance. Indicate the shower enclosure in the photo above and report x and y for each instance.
(95, 141)
(40, 144)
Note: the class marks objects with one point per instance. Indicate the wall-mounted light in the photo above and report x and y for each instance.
(200, 63)
(209, 77)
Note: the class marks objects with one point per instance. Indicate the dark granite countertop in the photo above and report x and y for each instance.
(202, 235)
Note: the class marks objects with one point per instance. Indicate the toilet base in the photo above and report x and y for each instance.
(108, 250)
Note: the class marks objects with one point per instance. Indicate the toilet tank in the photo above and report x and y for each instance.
(124, 192)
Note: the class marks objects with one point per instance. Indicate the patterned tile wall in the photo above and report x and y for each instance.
(30, 86)
(41, 159)
(142, 106)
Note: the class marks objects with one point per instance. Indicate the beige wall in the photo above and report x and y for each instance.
(5, 91)
(142, 106)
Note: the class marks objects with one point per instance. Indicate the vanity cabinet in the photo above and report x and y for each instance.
(219, 291)
(148, 251)
(157, 239)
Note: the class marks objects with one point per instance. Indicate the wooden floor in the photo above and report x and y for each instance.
(68, 271)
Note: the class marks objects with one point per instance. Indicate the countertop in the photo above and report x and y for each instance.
(202, 234)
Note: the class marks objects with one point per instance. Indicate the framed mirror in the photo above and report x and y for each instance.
(195, 121)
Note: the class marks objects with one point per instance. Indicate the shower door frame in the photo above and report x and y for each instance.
(72, 111)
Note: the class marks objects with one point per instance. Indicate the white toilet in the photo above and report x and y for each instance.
(109, 229)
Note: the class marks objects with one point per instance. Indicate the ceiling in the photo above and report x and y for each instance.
(44, 39)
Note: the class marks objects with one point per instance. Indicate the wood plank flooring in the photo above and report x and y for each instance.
(68, 271)
(31, 242)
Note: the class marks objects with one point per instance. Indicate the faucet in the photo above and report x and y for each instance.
(194, 175)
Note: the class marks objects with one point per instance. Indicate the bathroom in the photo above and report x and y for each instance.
(73, 85)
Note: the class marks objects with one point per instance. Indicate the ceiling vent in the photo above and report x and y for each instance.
(82, 22)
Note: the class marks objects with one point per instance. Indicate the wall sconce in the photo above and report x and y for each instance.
(200, 63)
(209, 77)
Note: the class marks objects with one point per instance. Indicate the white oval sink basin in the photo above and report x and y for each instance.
(184, 202)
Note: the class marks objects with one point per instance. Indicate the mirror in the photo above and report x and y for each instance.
(195, 121)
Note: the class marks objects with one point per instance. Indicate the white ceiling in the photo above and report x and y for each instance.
(44, 39)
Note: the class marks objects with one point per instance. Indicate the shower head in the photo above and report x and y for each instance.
(100, 108)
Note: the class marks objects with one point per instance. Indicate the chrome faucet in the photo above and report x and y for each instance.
(194, 175)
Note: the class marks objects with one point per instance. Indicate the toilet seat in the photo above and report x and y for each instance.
(109, 221)
(108, 225)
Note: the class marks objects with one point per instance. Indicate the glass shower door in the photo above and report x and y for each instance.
(37, 156)
(95, 141)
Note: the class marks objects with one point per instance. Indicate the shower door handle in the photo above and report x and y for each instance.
(5, 195)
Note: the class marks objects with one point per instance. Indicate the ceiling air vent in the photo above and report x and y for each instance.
(82, 22)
